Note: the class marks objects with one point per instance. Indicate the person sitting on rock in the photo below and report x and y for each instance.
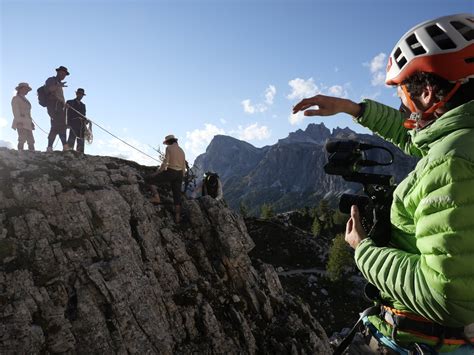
(211, 185)
(171, 171)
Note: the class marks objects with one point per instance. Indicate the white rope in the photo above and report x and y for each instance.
(113, 135)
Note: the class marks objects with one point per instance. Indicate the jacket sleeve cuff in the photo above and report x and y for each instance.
(363, 247)
(364, 114)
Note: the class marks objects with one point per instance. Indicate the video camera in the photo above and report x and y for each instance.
(346, 158)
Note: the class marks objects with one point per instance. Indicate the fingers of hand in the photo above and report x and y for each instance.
(305, 104)
(312, 113)
(354, 212)
(349, 226)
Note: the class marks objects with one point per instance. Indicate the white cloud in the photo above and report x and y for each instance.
(378, 79)
(250, 108)
(378, 63)
(302, 88)
(5, 144)
(337, 90)
(252, 132)
(372, 96)
(116, 148)
(3, 122)
(377, 68)
(223, 121)
(270, 94)
(297, 118)
(198, 140)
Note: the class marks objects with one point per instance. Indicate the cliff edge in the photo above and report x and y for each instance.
(88, 265)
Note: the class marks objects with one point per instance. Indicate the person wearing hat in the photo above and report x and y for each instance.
(22, 121)
(76, 119)
(171, 171)
(56, 110)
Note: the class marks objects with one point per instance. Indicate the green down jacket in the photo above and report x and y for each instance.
(428, 269)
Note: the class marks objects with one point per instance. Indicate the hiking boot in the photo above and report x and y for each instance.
(49, 149)
(66, 147)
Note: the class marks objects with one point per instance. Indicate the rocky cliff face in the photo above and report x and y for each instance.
(289, 174)
(88, 265)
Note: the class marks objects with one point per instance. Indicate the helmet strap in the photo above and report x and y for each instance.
(419, 120)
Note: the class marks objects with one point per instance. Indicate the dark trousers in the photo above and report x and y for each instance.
(173, 177)
(76, 132)
(58, 123)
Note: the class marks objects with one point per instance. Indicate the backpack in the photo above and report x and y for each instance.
(210, 184)
(42, 96)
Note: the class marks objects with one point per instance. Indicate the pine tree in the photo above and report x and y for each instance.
(244, 210)
(326, 213)
(267, 211)
(340, 218)
(316, 226)
(339, 258)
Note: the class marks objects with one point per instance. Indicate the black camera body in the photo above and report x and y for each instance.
(346, 158)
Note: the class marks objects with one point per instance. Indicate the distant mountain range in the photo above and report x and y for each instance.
(289, 174)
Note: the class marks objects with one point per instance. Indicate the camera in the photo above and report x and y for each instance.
(347, 158)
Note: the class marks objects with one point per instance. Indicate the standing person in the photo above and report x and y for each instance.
(425, 274)
(55, 105)
(171, 171)
(22, 120)
(76, 112)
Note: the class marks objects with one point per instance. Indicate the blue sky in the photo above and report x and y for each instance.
(202, 67)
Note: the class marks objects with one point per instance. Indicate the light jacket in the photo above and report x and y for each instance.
(21, 108)
(428, 268)
(174, 159)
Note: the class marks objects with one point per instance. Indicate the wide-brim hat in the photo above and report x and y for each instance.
(23, 85)
(168, 138)
(81, 91)
(63, 69)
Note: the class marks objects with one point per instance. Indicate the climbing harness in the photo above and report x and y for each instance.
(404, 322)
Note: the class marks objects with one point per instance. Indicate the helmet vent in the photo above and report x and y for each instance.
(440, 38)
(399, 58)
(415, 46)
(466, 31)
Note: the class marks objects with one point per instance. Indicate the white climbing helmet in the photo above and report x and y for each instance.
(443, 46)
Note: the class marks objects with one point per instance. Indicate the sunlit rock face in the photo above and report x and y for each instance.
(88, 265)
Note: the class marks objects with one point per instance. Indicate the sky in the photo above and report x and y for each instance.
(197, 68)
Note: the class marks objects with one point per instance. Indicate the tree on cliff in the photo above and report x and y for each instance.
(339, 258)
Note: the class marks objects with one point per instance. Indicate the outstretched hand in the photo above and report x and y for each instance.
(327, 106)
(355, 233)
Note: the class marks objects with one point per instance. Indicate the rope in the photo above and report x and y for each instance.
(37, 125)
(113, 135)
(55, 143)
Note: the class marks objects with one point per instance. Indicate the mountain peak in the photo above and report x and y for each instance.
(314, 133)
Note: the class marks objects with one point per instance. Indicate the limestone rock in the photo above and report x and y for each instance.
(88, 265)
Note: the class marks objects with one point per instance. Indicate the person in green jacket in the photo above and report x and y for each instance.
(426, 273)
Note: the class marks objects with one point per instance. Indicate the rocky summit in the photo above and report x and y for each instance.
(88, 265)
(290, 174)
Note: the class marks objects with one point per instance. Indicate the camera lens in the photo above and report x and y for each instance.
(347, 200)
